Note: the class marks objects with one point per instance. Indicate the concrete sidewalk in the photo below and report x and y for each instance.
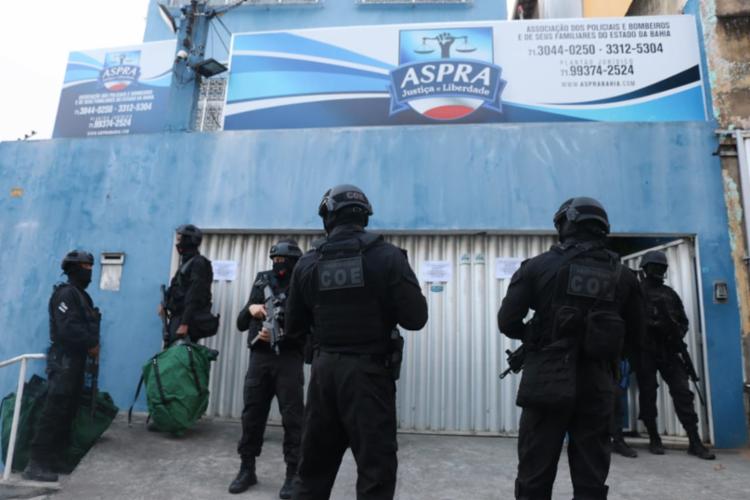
(133, 463)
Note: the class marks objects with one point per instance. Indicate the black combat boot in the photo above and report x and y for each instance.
(288, 486)
(697, 447)
(620, 447)
(36, 471)
(655, 445)
(245, 477)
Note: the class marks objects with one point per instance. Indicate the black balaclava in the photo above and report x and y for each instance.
(283, 270)
(79, 276)
(655, 273)
(186, 248)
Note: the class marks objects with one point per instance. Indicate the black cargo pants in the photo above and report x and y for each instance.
(267, 376)
(674, 374)
(65, 375)
(587, 425)
(351, 403)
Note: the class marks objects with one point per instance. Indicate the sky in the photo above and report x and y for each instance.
(35, 39)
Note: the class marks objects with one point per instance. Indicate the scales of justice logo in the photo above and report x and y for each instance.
(121, 69)
(446, 74)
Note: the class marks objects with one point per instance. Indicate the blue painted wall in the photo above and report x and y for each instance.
(129, 193)
(328, 13)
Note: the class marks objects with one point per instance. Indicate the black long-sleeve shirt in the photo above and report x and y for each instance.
(666, 321)
(532, 287)
(74, 321)
(190, 288)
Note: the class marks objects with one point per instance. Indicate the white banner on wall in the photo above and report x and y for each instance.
(115, 91)
(613, 69)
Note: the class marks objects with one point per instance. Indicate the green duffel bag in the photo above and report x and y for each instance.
(177, 386)
(87, 428)
(34, 394)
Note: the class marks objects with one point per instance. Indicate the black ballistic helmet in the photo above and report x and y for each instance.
(655, 258)
(76, 257)
(341, 196)
(580, 209)
(286, 248)
(191, 235)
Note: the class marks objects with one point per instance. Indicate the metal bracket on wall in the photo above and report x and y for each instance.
(727, 147)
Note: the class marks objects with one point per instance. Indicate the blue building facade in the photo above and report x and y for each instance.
(127, 194)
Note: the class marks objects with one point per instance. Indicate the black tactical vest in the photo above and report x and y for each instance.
(586, 305)
(179, 286)
(348, 310)
(91, 316)
(661, 313)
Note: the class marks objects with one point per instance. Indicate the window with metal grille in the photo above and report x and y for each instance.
(210, 107)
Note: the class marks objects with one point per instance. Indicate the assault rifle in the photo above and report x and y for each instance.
(515, 361)
(92, 370)
(687, 363)
(674, 332)
(274, 322)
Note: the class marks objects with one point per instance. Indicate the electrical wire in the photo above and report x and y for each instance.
(216, 32)
(231, 7)
(229, 32)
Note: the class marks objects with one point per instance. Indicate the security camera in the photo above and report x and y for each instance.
(182, 54)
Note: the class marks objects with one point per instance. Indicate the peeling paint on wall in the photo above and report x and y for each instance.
(656, 7)
(727, 42)
(733, 199)
(733, 193)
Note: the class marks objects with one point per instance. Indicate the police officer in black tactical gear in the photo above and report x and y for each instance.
(74, 336)
(667, 325)
(189, 293)
(270, 374)
(586, 306)
(352, 290)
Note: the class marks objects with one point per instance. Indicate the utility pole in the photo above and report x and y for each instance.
(192, 37)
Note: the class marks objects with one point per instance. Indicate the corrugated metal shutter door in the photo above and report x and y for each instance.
(450, 375)
(449, 380)
(682, 277)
